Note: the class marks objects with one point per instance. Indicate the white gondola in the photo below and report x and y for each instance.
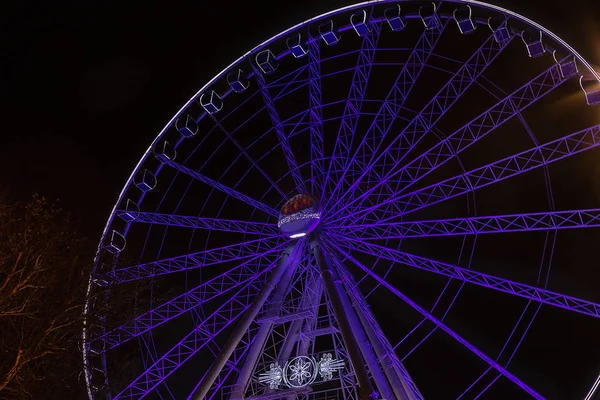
(533, 41)
(238, 81)
(360, 24)
(146, 181)
(211, 102)
(394, 18)
(186, 126)
(328, 34)
(294, 44)
(464, 19)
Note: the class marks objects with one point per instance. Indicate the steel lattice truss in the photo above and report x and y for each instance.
(475, 130)
(423, 123)
(390, 360)
(185, 221)
(195, 260)
(219, 186)
(401, 88)
(283, 137)
(315, 116)
(353, 106)
(477, 225)
(192, 343)
(509, 167)
(215, 287)
(389, 110)
(478, 278)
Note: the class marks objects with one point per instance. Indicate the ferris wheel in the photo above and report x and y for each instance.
(379, 202)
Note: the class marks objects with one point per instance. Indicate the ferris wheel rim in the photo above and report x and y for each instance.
(279, 36)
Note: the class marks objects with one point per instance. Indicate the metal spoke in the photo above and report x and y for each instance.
(232, 365)
(223, 188)
(258, 247)
(554, 220)
(485, 280)
(356, 94)
(442, 326)
(394, 101)
(213, 224)
(191, 344)
(281, 135)
(287, 264)
(386, 354)
(245, 153)
(316, 118)
(187, 301)
(437, 107)
(289, 85)
(509, 167)
(470, 133)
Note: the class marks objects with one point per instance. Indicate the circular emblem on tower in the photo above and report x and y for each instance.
(299, 215)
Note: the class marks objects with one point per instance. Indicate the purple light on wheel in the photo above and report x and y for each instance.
(299, 215)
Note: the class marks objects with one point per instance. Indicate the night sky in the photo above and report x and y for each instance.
(87, 86)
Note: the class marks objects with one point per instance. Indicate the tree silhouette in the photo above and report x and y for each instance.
(44, 266)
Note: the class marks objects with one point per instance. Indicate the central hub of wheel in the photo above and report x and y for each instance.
(299, 215)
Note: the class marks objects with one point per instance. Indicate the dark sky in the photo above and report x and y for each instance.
(88, 85)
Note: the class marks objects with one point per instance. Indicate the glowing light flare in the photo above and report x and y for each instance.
(576, 99)
(297, 235)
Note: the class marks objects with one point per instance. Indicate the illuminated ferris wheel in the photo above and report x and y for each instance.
(383, 184)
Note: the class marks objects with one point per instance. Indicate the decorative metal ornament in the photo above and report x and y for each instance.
(328, 365)
(301, 371)
(273, 377)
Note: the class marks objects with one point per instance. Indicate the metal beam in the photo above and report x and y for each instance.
(223, 188)
(199, 259)
(489, 281)
(394, 101)
(291, 256)
(309, 307)
(365, 345)
(191, 344)
(165, 312)
(281, 135)
(544, 221)
(401, 382)
(282, 288)
(213, 224)
(243, 151)
(442, 326)
(539, 156)
(334, 292)
(352, 108)
(315, 108)
(437, 107)
(478, 128)
(399, 179)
